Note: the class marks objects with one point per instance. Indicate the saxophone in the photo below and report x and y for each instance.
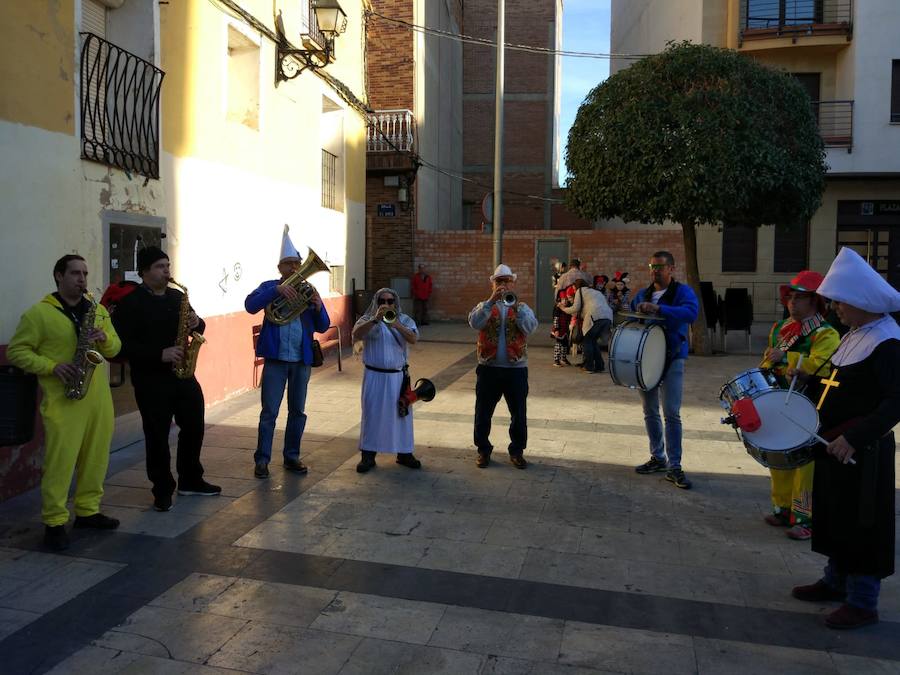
(85, 359)
(189, 341)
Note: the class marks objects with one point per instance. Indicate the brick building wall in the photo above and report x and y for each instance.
(389, 58)
(389, 240)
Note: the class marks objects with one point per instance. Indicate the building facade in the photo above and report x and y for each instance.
(125, 123)
(847, 56)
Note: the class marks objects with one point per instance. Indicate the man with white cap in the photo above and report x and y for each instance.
(859, 404)
(502, 350)
(288, 353)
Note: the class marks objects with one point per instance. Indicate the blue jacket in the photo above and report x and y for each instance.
(270, 335)
(679, 307)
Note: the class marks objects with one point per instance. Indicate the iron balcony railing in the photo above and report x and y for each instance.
(311, 27)
(835, 119)
(391, 130)
(761, 19)
(119, 107)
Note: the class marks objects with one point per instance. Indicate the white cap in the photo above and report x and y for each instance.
(852, 280)
(288, 250)
(503, 271)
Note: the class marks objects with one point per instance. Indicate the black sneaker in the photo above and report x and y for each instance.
(96, 521)
(261, 470)
(55, 537)
(677, 476)
(408, 459)
(162, 502)
(296, 466)
(202, 489)
(367, 462)
(653, 466)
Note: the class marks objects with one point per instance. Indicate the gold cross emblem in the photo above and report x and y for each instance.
(829, 383)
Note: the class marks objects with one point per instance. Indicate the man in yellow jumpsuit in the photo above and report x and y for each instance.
(77, 432)
(803, 332)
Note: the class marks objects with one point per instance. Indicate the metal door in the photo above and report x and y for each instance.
(548, 251)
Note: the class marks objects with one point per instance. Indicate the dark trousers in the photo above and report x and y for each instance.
(420, 311)
(160, 398)
(593, 359)
(512, 384)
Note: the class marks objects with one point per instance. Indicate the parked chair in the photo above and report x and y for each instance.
(328, 343)
(737, 314)
(711, 304)
(257, 360)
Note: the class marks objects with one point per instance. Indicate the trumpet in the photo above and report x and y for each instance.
(390, 316)
(509, 299)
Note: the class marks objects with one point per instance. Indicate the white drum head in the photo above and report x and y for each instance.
(776, 432)
(653, 357)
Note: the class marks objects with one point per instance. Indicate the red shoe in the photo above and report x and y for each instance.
(817, 592)
(780, 519)
(799, 532)
(847, 617)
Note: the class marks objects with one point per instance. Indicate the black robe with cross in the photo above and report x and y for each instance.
(853, 505)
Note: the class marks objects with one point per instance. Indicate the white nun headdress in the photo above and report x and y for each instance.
(288, 250)
(852, 280)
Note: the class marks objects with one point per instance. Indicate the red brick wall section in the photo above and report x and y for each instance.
(389, 240)
(390, 57)
(460, 261)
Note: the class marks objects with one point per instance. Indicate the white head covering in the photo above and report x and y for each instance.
(852, 280)
(503, 271)
(372, 310)
(288, 250)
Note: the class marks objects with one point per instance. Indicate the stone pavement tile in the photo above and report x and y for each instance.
(573, 569)
(383, 657)
(10, 585)
(63, 584)
(302, 509)
(375, 547)
(195, 593)
(32, 565)
(274, 649)
(234, 487)
(380, 617)
(511, 531)
(773, 591)
(272, 603)
(746, 558)
(12, 620)
(360, 516)
(526, 509)
(595, 518)
(688, 582)
(230, 438)
(103, 661)
(154, 523)
(485, 483)
(133, 477)
(131, 497)
(625, 650)
(454, 527)
(855, 665)
(505, 634)
(471, 558)
(167, 633)
(503, 665)
(287, 536)
(630, 546)
(721, 657)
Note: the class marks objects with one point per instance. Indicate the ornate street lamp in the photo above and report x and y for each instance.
(331, 21)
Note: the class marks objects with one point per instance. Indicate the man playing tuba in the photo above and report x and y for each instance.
(286, 343)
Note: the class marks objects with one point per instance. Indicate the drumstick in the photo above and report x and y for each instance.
(793, 380)
(814, 435)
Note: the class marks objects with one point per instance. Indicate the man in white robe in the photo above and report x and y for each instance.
(384, 354)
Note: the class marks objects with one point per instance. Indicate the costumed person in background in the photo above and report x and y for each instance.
(560, 331)
(559, 268)
(384, 353)
(149, 321)
(575, 341)
(853, 503)
(590, 308)
(617, 294)
(804, 333)
(502, 370)
(288, 353)
(421, 292)
(77, 431)
(600, 281)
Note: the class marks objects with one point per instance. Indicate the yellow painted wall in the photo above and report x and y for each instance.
(37, 63)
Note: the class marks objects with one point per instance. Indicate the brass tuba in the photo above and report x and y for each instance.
(189, 341)
(283, 310)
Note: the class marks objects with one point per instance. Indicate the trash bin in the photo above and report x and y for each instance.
(18, 397)
(361, 299)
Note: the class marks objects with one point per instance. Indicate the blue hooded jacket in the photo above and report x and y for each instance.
(269, 335)
(679, 307)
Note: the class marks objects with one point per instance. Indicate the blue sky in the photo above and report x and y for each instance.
(586, 29)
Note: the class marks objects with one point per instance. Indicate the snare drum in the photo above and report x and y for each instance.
(749, 383)
(637, 355)
(778, 444)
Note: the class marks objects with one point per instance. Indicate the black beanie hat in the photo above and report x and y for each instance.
(147, 256)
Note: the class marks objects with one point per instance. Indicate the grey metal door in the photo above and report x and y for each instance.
(548, 251)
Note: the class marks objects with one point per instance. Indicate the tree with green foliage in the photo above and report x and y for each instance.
(697, 135)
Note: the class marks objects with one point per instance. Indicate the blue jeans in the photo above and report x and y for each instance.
(862, 589)
(671, 405)
(275, 375)
(593, 359)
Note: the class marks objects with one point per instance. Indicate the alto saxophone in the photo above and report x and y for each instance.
(189, 341)
(85, 359)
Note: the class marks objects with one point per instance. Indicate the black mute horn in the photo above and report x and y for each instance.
(424, 391)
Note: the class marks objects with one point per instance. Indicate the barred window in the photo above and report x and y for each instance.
(329, 180)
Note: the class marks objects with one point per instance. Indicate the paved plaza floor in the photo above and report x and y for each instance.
(577, 565)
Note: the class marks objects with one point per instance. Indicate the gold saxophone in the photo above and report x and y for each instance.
(189, 341)
(85, 359)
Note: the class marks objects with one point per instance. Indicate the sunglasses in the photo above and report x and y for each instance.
(385, 301)
(657, 266)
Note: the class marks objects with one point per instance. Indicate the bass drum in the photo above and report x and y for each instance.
(637, 355)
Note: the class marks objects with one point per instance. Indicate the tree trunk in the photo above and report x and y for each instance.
(699, 334)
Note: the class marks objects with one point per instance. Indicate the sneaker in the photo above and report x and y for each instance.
(162, 502)
(817, 592)
(847, 617)
(557, 364)
(518, 461)
(202, 489)
(296, 466)
(96, 521)
(261, 470)
(367, 462)
(677, 476)
(780, 519)
(482, 460)
(55, 537)
(653, 466)
(408, 459)
(799, 532)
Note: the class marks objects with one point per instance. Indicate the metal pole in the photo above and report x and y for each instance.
(498, 136)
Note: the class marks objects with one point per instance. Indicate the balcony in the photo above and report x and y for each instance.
(311, 36)
(391, 140)
(795, 19)
(119, 107)
(835, 119)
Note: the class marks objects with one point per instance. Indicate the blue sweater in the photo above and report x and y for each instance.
(679, 307)
(269, 335)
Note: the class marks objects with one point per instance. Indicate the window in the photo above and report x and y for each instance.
(895, 91)
(774, 13)
(738, 248)
(329, 180)
(790, 248)
(243, 79)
